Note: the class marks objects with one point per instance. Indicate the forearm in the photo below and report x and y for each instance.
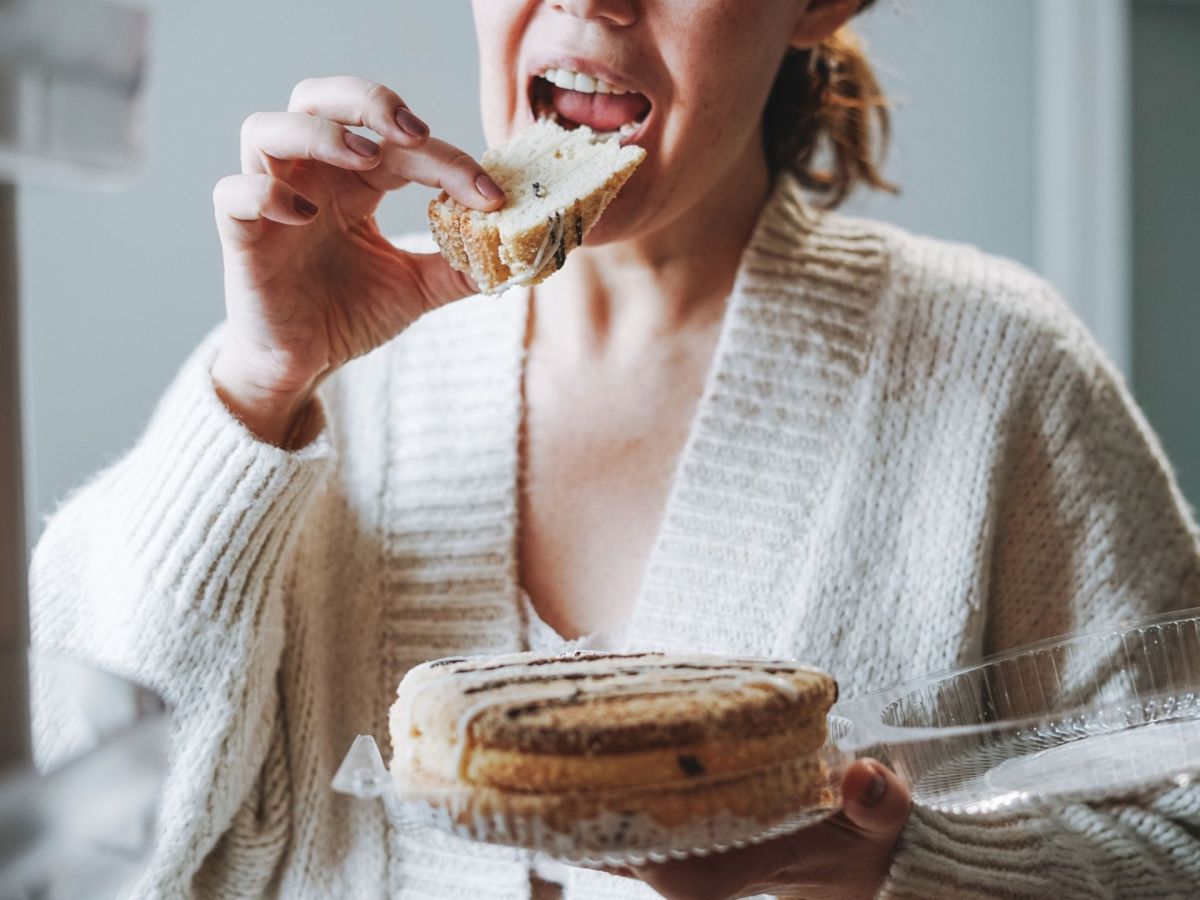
(155, 567)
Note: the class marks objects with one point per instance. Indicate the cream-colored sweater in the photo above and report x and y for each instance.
(908, 454)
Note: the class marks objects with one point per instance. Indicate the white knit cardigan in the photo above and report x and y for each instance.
(908, 454)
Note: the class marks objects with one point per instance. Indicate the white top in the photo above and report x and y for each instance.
(542, 638)
(908, 453)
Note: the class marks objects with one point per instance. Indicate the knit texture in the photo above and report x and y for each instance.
(908, 454)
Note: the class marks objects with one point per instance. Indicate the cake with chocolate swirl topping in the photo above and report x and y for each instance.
(658, 739)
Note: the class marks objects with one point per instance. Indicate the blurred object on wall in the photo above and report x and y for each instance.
(83, 826)
(71, 77)
(71, 83)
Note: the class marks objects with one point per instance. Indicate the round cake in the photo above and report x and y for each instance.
(597, 753)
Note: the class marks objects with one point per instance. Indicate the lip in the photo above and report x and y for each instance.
(595, 69)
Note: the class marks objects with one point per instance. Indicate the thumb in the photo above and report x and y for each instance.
(437, 282)
(875, 800)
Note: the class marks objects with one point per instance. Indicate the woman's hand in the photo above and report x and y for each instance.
(310, 283)
(846, 857)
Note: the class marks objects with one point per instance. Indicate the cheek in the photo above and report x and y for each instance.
(498, 25)
(723, 63)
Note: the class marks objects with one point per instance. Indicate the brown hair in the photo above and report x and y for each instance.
(828, 99)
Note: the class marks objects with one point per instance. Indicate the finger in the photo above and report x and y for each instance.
(875, 800)
(243, 202)
(268, 137)
(436, 281)
(440, 165)
(359, 101)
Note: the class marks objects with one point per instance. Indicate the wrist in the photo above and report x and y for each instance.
(274, 416)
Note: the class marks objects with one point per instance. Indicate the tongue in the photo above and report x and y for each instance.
(600, 112)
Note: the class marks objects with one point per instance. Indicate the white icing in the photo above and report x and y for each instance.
(554, 238)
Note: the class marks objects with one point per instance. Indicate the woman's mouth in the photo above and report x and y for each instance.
(575, 99)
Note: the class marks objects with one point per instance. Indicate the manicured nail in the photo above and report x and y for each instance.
(361, 145)
(304, 206)
(488, 188)
(410, 124)
(874, 790)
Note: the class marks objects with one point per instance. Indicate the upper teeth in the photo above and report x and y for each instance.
(585, 84)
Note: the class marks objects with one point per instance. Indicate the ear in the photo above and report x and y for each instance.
(820, 19)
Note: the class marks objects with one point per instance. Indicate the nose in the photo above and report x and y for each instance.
(612, 12)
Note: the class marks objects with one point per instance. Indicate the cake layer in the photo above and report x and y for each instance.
(558, 184)
(764, 796)
(601, 715)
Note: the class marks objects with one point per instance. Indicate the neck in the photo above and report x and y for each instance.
(618, 298)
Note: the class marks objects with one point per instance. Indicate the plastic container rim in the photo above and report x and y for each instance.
(860, 715)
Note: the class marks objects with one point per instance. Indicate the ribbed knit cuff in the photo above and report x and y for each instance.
(203, 504)
(160, 568)
(1137, 847)
(937, 857)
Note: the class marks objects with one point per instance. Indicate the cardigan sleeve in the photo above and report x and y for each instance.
(1090, 529)
(168, 569)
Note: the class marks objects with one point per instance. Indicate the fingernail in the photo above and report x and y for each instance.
(874, 790)
(488, 188)
(361, 145)
(410, 124)
(304, 206)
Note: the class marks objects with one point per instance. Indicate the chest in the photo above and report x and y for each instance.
(599, 455)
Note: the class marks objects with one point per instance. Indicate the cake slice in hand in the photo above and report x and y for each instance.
(558, 183)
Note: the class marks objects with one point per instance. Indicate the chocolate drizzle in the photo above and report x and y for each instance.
(560, 254)
(710, 673)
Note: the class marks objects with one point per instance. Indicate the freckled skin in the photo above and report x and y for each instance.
(707, 66)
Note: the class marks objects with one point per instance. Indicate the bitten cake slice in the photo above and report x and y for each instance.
(558, 184)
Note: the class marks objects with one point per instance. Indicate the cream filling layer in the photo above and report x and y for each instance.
(515, 770)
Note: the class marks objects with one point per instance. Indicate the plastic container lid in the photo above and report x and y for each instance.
(1092, 716)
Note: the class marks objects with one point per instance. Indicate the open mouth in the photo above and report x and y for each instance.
(573, 99)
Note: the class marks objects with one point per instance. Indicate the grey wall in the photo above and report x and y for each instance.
(1166, 216)
(118, 287)
(961, 78)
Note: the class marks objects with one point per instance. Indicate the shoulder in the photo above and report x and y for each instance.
(935, 284)
(943, 295)
(952, 308)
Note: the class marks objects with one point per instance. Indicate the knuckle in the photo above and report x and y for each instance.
(302, 90)
(251, 124)
(462, 162)
(267, 188)
(322, 135)
(377, 94)
(222, 190)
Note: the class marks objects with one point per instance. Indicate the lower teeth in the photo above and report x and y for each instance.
(623, 132)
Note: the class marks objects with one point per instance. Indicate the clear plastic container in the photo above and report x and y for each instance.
(613, 827)
(1095, 715)
(1092, 716)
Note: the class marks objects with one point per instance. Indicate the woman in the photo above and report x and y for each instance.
(732, 423)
